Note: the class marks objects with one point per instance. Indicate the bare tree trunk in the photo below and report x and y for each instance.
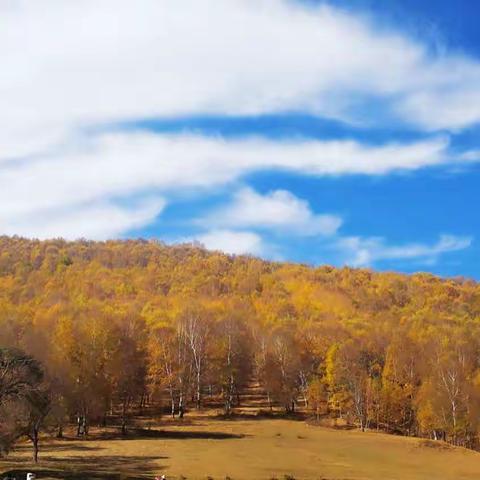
(181, 410)
(172, 400)
(124, 415)
(229, 392)
(454, 420)
(229, 396)
(35, 451)
(199, 388)
(79, 425)
(34, 438)
(104, 418)
(85, 425)
(304, 388)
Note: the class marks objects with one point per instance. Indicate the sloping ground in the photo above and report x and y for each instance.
(252, 449)
(253, 399)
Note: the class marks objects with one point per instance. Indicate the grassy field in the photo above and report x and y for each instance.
(248, 449)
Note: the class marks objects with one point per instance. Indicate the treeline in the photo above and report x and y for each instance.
(106, 328)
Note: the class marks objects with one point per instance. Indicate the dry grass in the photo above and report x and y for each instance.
(248, 449)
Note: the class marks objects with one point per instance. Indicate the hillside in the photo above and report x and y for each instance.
(122, 325)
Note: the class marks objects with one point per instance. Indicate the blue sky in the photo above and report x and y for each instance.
(336, 132)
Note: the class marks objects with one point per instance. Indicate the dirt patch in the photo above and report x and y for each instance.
(435, 444)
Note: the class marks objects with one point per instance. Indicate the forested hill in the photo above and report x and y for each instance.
(113, 322)
(141, 275)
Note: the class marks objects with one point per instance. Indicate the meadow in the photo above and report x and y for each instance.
(245, 448)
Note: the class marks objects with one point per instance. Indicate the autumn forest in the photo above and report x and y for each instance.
(92, 329)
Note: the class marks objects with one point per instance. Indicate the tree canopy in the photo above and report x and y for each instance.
(115, 323)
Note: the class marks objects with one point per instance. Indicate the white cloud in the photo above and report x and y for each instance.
(366, 251)
(100, 221)
(470, 156)
(233, 242)
(444, 108)
(124, 163)
(117, 166)
(67, 64)
(68, 67)
(276, 210)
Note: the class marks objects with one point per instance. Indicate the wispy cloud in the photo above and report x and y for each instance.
(98, 221)
(117, 166)
(359, 251)
(121, 60)
(247, 222)
(470, 156)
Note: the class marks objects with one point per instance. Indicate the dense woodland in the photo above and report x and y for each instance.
(89, 330)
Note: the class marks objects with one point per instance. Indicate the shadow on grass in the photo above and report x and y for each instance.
(99, 467)
(140, 433)
(261, 415)
(59, 446)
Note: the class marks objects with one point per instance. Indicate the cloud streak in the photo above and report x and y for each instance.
(117, 166)
(99, 221)
(119, 60)
(247, 222)
(361, 251)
